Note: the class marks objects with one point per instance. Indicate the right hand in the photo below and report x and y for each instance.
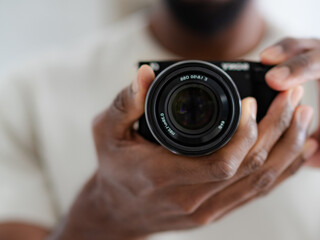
(141, 188)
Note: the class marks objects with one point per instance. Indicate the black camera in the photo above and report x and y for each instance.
(193, 107)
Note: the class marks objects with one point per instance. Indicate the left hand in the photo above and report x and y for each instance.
(298, 61)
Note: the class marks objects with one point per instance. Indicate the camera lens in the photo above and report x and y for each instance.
(192, 108)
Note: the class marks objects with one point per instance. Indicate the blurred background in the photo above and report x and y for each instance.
(31, 26)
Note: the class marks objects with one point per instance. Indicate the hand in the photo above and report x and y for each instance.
(141, 188)
(298, 61)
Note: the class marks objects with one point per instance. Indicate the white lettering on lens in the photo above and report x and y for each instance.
(193, 77)
(165, 124)
(183, 78)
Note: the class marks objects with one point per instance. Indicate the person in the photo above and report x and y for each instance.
(50, 148)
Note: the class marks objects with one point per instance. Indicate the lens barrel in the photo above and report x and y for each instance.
(193, 108)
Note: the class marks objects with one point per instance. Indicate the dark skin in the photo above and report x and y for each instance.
(257, 159)
(298, 61)
(236, 40)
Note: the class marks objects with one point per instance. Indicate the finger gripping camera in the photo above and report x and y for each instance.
(193, 108)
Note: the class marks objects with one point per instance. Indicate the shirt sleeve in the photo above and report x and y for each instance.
(24, 193)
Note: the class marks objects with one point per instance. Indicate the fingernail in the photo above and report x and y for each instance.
(278, 74)
(272, 52)
(304, 116)
(296, 95)
(135, 86)
(253, 106)
(309, 149)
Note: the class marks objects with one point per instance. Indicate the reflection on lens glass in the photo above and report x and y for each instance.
(193, 107)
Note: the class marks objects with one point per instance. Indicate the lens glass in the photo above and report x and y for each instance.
(194, 107)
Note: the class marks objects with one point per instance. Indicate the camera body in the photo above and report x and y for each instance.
(193, 107)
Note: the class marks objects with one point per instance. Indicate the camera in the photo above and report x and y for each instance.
(193, 107)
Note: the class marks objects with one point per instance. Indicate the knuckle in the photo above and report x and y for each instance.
(283, 122)
(224, 168)
(302, 61)
(201, 219)
(187, 207)
(249, 132)
(265, 180)
(121, 101)
(256, 160)
(252, 132)
(289, 42)
(99, 128)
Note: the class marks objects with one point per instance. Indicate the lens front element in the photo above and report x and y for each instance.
(193, 108)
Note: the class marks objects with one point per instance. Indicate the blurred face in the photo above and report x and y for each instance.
(206, 17)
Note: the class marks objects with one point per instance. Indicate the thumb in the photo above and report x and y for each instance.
(126, 108)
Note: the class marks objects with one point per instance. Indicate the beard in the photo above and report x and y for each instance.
(206, 17)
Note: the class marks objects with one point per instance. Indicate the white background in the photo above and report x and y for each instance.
(28, 27)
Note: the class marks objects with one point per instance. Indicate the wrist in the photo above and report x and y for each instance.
(91, 217)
